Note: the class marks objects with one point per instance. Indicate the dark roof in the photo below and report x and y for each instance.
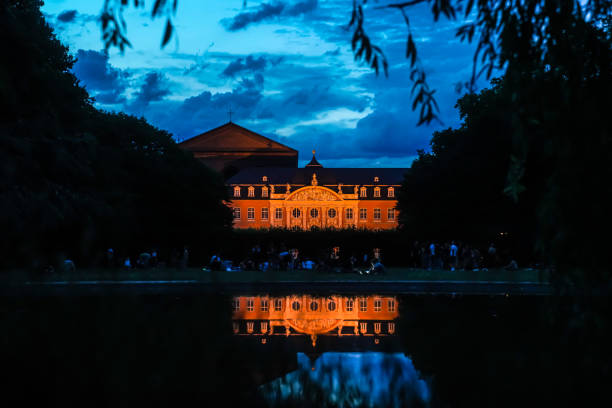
(352, 176)
(314, 162)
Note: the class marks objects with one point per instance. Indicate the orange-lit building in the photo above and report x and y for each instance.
(268, 190)
(314, 316)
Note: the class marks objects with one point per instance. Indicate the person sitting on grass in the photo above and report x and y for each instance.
(512, 266)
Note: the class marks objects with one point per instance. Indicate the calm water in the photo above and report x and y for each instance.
(392, 351)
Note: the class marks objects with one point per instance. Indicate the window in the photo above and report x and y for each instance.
(236, 191)
(278, 305)
(250, 303)
(236, 327)
(251, 191)
(264, 213)
(236, 305)
(376, 179)
(295, 305)
(391, 327)
(236, 213)
(391, 214)
(363, 305)
(264, 191)
(377, 327)
(377, 214)
(349, 213)
(250, 326)
(264, 305)
(391, 305)
(331, 306)
(264, 327)
(264, 178)
(296, 213)
(349, 305)
(278, 213)
(377, 305)
(363, 213)
(363, 327)
(314, 306)
(314, 213)
(250, 213)
(376, 191)
(390, 192)
(331, 213)
(363, 192)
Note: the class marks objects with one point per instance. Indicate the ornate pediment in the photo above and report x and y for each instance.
(314, 194)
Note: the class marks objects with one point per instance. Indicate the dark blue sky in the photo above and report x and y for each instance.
(285, 67)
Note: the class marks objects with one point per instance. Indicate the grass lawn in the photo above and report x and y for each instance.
(196, 274)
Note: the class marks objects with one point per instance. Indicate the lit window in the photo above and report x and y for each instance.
(264, 178)
(377, 214)
(331, 213)
(250, 213)
(376, 191)
(264, 305)
(377, 327)
(297, 213)
(251, 191)
(377, 305)
(278, 213)
(250, 303)
(391, 305)
(236, 213)
(391, 214)
(363, 305)
(314, 306)
(264, 191)
(390, 192)
(376, 179)
(236, 191)
(295, 305)
(264, 327)
(264, 213)
(278, 305)
(363, 327)
(349, 305)
(331, 306)
(363, 213)
(363, 192)
(349, 213)
(391, 327)
(236, 327)
(235, 305)
(250, 326)
(314, 213)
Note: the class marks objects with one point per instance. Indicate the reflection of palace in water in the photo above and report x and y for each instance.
(306, 315)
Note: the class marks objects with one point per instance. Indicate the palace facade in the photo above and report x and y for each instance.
(268, 190)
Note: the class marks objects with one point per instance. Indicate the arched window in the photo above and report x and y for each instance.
(376, 179)
(363, 192)
(391, 327)
(331, 306)
(295, 305)
(296, 213)
(349, 305)
(376, 191)
(251, 191)
(331, 213)
(237, 191)
(390, 192)
(314, 213)
(264, 191)
(314, 306)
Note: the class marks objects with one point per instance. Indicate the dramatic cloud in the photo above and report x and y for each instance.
(103, 82)
(67, 16)
(248, 64)
(268, 11)
(153, 89)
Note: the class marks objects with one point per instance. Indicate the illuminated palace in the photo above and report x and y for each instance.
(305, 315)
(268, 190)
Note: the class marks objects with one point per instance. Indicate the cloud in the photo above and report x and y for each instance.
(153, 89)
(105, 83)
(267, 11)
(249, 64)
(67, 16)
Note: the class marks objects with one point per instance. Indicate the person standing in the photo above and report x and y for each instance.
(453, 256)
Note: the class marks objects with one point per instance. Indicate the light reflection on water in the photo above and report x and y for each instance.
(351, 379)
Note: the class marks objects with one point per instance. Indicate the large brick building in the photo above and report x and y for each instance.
(273, 193)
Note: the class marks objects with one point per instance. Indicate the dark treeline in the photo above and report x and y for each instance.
(75, 181)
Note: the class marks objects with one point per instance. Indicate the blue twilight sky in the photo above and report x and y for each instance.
(285, 67)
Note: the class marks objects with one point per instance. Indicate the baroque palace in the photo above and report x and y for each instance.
(268, 189)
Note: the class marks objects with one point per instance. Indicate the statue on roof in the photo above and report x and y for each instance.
(314, 181)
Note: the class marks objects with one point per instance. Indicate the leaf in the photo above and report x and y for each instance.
(167, 33)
